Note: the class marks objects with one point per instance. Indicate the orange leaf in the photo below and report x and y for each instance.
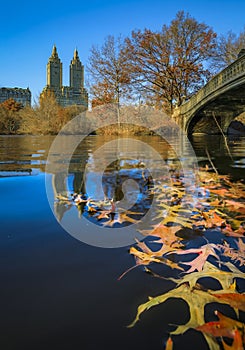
(166, 233)
(222, 192)
(235, 300)
(213, 219)
(223, 328)
(216, 329)
(237, 342)
(169, 344)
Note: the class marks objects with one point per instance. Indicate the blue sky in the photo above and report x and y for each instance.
(28, 30)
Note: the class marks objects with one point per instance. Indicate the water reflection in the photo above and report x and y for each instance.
(27, 155)
(37, 256)
(119, 164)
(227, 154)
(23, 155)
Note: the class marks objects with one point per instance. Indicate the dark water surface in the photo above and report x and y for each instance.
(59, 293)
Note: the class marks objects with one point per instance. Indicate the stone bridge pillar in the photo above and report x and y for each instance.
(179, 119)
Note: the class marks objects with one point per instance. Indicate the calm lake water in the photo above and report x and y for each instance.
(60, 293)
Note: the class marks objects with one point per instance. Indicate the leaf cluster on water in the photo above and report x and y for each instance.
(218, 209)
(189, 212)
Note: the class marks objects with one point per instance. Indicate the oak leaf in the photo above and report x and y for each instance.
(213, 219)
(237, 342)
(225, 278)
(235, 300)
(196, 300)
(199, 261)
(165, 233)
(148, 256)
(224, 327)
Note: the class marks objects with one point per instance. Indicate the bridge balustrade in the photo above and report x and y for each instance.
(228, 74)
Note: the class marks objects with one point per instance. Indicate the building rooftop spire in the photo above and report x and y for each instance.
(76, 57)
(54, 52)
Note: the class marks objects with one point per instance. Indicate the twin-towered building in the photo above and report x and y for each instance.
(75, 93)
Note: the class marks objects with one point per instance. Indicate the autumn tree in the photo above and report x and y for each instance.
(171, 64)
(9, 116)
(11, 105)
(102, 94)
(46, 116)
(108, 71)
(228, 48)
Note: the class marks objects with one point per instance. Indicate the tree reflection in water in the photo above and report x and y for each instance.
(137, 192)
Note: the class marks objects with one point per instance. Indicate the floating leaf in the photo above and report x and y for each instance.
(225, 278)
(196, 299)
(169, 344)
(224, 327)
(165, 233)
(235, 300)
(237, 342)
(199, 261)
(145, 258)
(238, 255)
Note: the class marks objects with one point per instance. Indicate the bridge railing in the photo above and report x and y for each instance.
(234, 70)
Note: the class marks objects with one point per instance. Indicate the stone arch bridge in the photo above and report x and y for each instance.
(223, 97)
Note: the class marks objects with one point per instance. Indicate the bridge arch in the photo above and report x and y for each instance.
(223, 97)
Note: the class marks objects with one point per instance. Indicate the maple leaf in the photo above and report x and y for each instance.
(199, 261)
(234, 233)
